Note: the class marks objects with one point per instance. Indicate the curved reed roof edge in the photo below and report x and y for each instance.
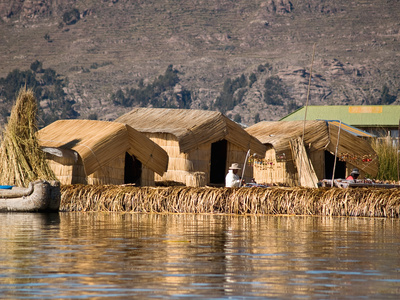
(147, 151)
(98, 142)
(166, 120)
(237, 135)
(279, 133)
(318, 135)
(365, 157)
(190, 126)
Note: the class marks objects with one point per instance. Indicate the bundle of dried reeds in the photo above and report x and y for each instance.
(21, 159)
(294, 201)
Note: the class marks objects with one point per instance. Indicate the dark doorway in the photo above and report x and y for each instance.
(218, 162)
(133, 170)
(340, 169)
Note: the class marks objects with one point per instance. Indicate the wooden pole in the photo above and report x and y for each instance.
(336, 150)
(244, 166)
(306, 106)
(398, 150)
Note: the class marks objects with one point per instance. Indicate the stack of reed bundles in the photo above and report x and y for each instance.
(21, 158)
(362, 202)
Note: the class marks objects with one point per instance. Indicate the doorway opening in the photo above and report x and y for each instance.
(340, 169)
(218, 162)
(133, 170)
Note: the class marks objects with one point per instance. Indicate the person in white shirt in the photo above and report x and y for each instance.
(232, 179)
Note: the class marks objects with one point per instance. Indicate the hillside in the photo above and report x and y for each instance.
(113, 45)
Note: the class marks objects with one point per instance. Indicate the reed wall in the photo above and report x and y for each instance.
(283, 172)
(194, 167)
(69, 174)
(200, 159)
(363, 202)
(147, 178)
(238, 155)
(111, 173)
(318, 161)
(272, 171)
(178, 164)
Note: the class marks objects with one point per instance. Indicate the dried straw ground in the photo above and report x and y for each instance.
(21, 159)
(266, 201)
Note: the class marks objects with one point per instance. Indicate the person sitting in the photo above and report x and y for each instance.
(353, 175)
(232, 179)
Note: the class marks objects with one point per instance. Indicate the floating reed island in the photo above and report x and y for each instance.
(362, 202)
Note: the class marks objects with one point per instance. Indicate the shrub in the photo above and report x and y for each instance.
(237, 118)
(45, 86)
(14, 81)
(93, 116)
(49, 76)
(386, 98)
(275, 91)
(152, 93)
(252, 79)
(227, 100)
(36, 66)
(71, 17)
(47, 37)
(264, 67)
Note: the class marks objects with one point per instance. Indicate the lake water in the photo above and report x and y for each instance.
(150, 256)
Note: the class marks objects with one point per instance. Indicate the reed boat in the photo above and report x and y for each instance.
(357, 183)
(39, 196)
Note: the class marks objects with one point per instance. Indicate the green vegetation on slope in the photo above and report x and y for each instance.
(154, 93)
(48, 88)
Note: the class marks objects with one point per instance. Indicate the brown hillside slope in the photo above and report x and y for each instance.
(115, 43)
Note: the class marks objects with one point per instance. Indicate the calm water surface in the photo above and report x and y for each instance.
(112, 255)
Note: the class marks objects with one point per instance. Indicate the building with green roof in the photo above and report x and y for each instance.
(381, 120)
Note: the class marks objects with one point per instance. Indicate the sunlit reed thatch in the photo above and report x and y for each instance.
(21, 159)
(191, 138)
(365, 202)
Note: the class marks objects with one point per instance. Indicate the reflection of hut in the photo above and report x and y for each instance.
(288, 160)
(99, 152)
(201, 144)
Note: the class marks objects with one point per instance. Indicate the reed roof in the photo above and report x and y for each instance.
(278, 134)
(191, 127)
(318, 135)
(98, 142)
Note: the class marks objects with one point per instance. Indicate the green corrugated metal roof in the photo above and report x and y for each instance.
(357, 115)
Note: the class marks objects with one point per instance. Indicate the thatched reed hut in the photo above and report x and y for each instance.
(201, 145)
(99, 152)
(302, 153)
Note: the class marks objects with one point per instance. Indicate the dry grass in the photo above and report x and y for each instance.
(266, 201)
(21, 159)
(388, 159)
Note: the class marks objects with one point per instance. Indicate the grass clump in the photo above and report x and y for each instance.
(387, 153)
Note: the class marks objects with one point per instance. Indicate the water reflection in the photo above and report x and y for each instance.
(94, 255)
